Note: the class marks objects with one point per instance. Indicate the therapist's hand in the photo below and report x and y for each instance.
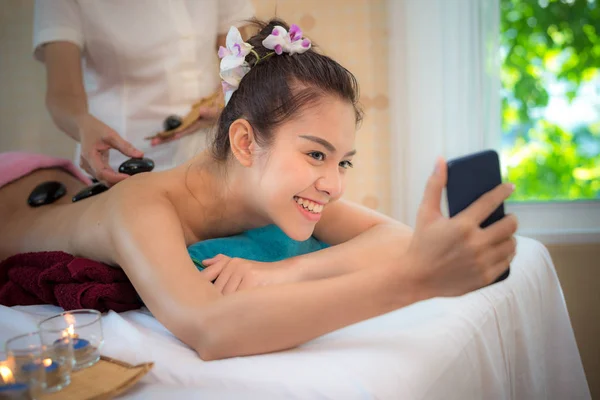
(208, 117)
(96, 140)
(453, 256)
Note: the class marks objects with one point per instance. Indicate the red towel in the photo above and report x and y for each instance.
(66, 281)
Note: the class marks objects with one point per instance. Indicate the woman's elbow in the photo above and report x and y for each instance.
(200, 329)
(207, 354)
(209, 342)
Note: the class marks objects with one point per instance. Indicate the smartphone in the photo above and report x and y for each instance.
(469, 177)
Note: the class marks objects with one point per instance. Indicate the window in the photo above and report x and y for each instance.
(550, 74)
(538, 104)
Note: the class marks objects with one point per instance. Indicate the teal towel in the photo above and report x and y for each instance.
(267, 244)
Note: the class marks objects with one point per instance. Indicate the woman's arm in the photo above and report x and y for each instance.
(360, 238)
(446, 257)
(66, 99)
(150, 245)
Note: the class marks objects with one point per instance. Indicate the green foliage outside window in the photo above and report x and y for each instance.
(542, 41)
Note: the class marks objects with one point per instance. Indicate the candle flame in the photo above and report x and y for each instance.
(7, 375)
(70, 332)
(47, 362)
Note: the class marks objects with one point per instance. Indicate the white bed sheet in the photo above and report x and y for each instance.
(512, 340)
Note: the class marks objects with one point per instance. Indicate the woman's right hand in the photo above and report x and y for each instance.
(96, 140)
(453, 256)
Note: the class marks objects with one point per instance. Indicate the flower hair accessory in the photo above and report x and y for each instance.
(233, 61)
(282, 41)
(233, 57)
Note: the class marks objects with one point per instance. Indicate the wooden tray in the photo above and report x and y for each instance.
(106, 379)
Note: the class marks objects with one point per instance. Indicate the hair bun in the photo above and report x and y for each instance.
(264, 29)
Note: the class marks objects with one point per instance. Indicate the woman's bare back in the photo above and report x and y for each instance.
(80, 228)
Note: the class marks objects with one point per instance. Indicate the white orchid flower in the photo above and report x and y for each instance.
(233, 61)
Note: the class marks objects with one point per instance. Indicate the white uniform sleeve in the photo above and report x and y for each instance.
(234, 12)
(56, 20)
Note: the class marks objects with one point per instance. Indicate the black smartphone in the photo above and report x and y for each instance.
(469, 177)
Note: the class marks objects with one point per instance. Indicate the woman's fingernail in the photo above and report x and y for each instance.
(512, 187)
(436, 169)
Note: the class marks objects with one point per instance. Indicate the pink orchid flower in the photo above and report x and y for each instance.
(290, 42)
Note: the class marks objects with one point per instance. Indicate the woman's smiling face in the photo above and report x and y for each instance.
(304, 168)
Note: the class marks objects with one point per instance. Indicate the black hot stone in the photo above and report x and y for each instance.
(136, 165)
(46, 193)
(172, 122)
(90, 191)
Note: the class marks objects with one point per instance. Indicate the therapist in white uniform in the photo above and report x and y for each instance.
(117, 69)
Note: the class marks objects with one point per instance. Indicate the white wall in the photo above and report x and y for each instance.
(24, 122)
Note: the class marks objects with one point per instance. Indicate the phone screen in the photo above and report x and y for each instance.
(469, 178)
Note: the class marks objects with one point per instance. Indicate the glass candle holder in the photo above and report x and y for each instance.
(83, 328)
(58, 359)
(26, 355)
(10, 389)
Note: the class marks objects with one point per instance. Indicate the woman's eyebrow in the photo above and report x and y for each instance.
(325, 144)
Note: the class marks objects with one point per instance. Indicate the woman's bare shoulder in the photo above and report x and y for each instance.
(153, 195)
(150, 186)
(100, 217)
(143, 192)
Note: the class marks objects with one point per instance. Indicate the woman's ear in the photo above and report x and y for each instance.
(243, 145)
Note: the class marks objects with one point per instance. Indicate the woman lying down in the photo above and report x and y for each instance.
(284, 145)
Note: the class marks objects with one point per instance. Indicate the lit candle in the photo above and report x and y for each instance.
(9, 389)
(31, 367)
(50, 365)
(78, 344)
(81, 347)
(53, 375)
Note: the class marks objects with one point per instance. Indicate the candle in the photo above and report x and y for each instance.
(82, 348)
(53, 373)
(50, 365)
(14, 391)
(31, 367)
(9, 390)
(79, 345)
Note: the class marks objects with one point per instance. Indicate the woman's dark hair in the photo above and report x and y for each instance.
(277, 88)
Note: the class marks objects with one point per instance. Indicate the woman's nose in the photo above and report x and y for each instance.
(331, 184)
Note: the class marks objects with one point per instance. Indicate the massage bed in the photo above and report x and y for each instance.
(511, 340)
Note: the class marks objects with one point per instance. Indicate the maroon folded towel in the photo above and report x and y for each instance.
(58, 278)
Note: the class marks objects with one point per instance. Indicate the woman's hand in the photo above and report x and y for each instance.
(208, 117)
(96, 140)
(452, 256)
(234, 274)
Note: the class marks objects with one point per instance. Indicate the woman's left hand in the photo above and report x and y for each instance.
(234, 274)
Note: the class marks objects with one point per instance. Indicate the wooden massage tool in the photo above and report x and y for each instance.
(173, 124)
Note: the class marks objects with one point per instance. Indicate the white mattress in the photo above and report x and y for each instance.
(512, 340)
